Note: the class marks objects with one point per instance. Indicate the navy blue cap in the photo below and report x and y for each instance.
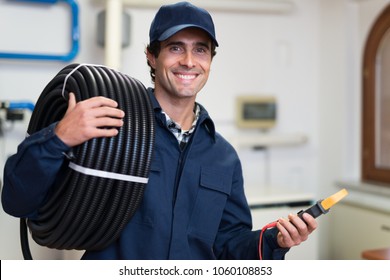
(170, 19)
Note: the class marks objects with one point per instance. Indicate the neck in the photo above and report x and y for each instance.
(180, 111)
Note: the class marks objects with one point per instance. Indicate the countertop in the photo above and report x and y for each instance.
(272, 195)
(376, 197)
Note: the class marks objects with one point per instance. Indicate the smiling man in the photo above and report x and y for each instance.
(194, 206)
(182, 69)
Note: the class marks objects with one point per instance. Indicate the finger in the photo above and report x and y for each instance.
(281, 227)
(304, 229)
(298, 223)
(105, 132)
(99, 106)
(100, 101)
(71, 102)
(310, 222)
(102, 112)
(296, 230)
(284, 238)
(107, 122)
(88, 132)
(289, 225)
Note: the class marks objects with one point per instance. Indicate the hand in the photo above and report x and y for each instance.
(87, 119)
(293, 231)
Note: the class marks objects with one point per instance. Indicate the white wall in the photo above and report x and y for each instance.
(307, 58)
(344, 28)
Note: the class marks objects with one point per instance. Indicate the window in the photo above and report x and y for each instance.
(376, 102)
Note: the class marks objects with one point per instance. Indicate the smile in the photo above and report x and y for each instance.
(186, 77)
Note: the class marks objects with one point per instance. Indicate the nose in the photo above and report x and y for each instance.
(188, 60)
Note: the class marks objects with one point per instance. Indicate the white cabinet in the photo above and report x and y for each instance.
(254, 139)
(356, 228)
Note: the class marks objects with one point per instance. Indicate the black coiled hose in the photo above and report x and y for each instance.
(87, 212)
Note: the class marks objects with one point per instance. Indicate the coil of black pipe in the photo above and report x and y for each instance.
(87, 212)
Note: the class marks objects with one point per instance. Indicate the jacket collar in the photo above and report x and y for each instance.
(204, 118)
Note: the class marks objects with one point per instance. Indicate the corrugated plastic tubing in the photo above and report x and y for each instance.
(87, 212)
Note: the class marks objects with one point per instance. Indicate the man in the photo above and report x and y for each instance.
(194, 205)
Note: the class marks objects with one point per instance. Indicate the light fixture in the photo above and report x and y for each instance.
(246, 6)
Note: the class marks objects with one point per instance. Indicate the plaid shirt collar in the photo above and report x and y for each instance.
(181, 135)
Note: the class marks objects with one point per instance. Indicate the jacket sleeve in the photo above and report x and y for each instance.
(236, 239)
(271, 249)
(29, 174)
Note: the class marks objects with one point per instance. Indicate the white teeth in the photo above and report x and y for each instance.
(186, 77)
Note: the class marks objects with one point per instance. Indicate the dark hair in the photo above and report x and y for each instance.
(154, 48)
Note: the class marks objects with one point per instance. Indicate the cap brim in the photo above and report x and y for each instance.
(173, 30)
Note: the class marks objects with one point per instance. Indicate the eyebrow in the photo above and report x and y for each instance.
(180, 43)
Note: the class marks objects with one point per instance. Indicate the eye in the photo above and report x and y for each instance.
(201, 50)
(175, 48)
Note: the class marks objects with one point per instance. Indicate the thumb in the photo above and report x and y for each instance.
(71, 102)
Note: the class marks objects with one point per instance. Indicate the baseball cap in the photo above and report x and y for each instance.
(170, 19)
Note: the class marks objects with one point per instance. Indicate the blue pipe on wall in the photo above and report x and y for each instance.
(21, 105)
(17, 105)
(75, 37)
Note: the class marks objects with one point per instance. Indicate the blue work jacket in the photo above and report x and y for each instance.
(194, 206)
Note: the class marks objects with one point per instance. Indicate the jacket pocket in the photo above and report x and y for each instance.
(145, 214)
(216, 180)
(214, 190)
(155, 165)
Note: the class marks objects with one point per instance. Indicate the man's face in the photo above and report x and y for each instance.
(183, 65)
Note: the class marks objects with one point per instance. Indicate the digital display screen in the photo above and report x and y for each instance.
(259, 111)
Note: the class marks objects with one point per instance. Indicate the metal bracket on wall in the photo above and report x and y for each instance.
(74, 36)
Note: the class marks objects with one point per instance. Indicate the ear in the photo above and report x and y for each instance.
(152, 60)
